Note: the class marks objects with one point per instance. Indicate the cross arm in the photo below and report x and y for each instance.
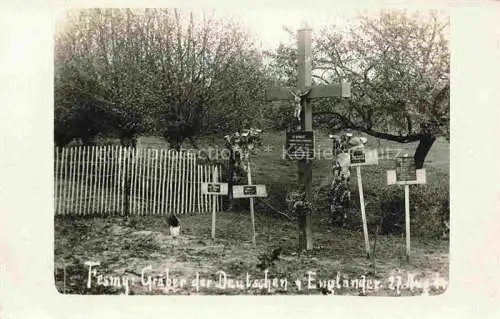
(280, 93)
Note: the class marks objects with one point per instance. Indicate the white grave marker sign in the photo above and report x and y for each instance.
(214, 188)
(360, 157)
(406, 174)
(249, 191)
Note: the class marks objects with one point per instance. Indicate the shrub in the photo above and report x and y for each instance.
(430, 209)
(384, 205)
(277, 200)
(385, 211)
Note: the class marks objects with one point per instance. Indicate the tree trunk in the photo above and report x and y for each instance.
(127, 194)
(231, 179)
(423, 148)
(87, 140)
(127, 186)
(62, 139)
(128, 141)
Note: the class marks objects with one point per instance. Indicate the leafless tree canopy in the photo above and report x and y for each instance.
(398, 65)
(179, 74)
(158, 70)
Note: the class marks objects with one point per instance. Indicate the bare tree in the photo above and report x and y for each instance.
(160, 71)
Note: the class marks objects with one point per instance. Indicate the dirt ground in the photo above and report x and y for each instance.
(137, 255)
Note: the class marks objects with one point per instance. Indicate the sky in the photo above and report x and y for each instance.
(265, 19)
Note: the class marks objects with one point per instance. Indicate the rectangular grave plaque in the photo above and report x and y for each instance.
(249, 191)
(405, 169)
(358, 156)
(300, 145)
(361, 157)
(214, 188)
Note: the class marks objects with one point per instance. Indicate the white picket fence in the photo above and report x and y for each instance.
(115, 179)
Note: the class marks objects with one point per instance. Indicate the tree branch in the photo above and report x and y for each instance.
(351, 125)
(442, 94)
(320, 78)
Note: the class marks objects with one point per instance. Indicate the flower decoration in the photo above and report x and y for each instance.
(244, 144)
(298, 204)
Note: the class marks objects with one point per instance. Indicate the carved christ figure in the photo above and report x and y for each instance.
(297, 97)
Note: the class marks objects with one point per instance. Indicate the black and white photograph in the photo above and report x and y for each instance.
(280, 158)
(213, 188)
(151, 103)
(249, 190)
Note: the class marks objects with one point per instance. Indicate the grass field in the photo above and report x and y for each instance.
(125, 246)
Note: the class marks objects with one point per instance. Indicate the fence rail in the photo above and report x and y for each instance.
(115, 179)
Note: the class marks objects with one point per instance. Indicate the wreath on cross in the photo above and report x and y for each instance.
(298, 204)
(340, 195)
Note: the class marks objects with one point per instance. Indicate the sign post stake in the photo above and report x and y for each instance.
(250, 191)
(358, 157)
(363, 213)
(407, 220)
(252, 213)
(215, 189)
(405, 174)
(215, 180)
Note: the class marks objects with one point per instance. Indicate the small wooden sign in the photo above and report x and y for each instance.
(249, 191)
(361, 156)
(358, 157)
(300, 145)
(406, 174)
(405, 169)
(419, 179)
(214, 188)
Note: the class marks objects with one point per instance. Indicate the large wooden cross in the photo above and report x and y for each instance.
(306, 92)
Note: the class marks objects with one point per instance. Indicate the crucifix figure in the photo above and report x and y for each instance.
(298, 98)
(304, 93)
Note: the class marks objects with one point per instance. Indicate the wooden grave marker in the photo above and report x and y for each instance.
(215, 189)
(360, 157)
(250, 191)
(303, 95)
(406, 174)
